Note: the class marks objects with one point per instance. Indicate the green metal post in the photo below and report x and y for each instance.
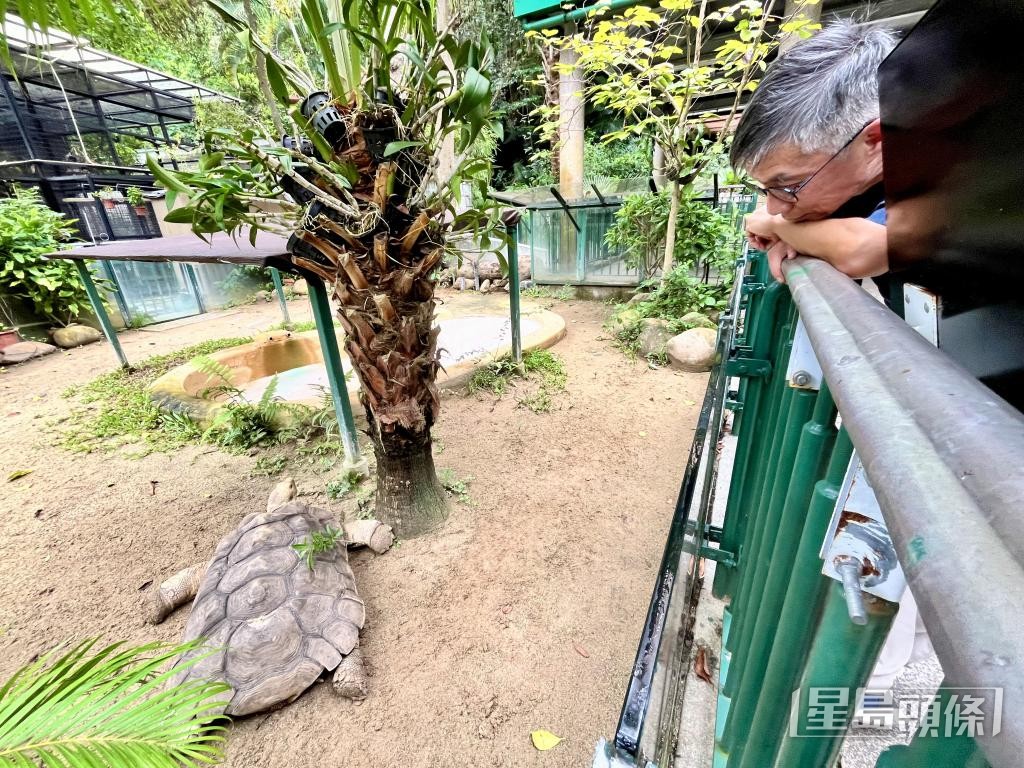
(936, 751)
(275, 275)
(761, 328)
(800, 404)
(809, 464)
(794, 591)
(798, 617)
(513, 291)
(100, 311)
(762, 468)
(841, 658)
(332, 361)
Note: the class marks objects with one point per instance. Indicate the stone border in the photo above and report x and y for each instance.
(177, 390)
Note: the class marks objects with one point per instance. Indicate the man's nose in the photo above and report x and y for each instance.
(776, 206)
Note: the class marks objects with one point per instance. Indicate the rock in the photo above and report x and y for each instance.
(263, 296)
(654, 336)
(300, 288)
(24, 350)
(692, 350)
(525, 284)
(485, 286)
(75, 336)
(697, 320)
(637, 298)
(624, 318)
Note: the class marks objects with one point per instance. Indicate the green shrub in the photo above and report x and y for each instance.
(706, 239)
(29, 229)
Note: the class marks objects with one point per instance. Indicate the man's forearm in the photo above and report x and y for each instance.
(855, 247)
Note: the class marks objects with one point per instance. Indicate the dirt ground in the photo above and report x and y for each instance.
(522, 613)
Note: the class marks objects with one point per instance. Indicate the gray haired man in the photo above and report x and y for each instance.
(811, 138)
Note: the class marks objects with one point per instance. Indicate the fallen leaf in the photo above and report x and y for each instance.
(145, 584)
(700, 666)
(581, 651)
(18, 473)
(544, 740)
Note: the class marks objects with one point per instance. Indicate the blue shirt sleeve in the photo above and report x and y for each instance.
(878, 215)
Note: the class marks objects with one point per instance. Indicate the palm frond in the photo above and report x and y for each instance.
(109, 709)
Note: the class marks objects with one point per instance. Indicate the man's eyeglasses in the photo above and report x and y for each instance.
(789, 194)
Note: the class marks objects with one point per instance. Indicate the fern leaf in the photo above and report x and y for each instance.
(109, 709)
(265, 404)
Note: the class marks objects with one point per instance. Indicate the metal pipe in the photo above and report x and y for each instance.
(100, 311)
(944, 457)
(566, 17)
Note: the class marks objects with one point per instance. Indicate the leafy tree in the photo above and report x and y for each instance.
(706, 243)
(653, 67)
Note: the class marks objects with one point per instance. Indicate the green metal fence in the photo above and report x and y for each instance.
(787, 631)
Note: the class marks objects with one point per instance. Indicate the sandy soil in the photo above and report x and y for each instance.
(522, 613)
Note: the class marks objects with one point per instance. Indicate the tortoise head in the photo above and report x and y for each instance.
(283, 492)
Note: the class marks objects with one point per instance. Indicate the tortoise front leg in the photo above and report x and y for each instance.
(369, 533)
(350, 676)
(176, 591)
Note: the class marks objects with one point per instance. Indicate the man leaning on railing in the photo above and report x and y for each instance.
(812, 139)
(810, 136)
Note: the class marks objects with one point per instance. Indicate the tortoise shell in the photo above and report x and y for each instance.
(276, 624)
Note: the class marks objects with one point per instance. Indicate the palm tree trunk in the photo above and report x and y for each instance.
(409, 497)
(382, 283)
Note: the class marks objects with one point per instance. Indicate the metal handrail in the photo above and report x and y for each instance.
(944, 457)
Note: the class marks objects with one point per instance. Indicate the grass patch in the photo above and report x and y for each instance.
(268, 466)
(565, 293)
(496, 377)
(115, 409)
(454, 486)
(344, 485)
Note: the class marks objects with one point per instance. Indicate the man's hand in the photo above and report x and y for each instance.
(760, 229)
(778, 253)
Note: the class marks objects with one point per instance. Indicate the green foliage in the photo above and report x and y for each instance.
(317, 543)
(268, 466)
(455, 486)
(681, 293)
(706, 239)
(540, 364)
(241, 424)
(134, 196)
(244, 280)
(624, 159)
(29, 229)
(116, 409)
(653, 67)
(344, 485)
(88, 708)
(493, 377)
(626, 335)
(602, 160)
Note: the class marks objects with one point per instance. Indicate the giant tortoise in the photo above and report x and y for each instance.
(275, 624)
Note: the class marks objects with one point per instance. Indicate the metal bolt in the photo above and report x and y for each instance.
(849, 569)
(801, 378)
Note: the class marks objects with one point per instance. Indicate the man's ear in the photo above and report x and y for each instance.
(873, 133)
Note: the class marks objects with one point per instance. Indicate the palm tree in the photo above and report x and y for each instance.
(363, 203)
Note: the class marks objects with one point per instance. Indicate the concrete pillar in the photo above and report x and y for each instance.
(572, 109)
(793, 7)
